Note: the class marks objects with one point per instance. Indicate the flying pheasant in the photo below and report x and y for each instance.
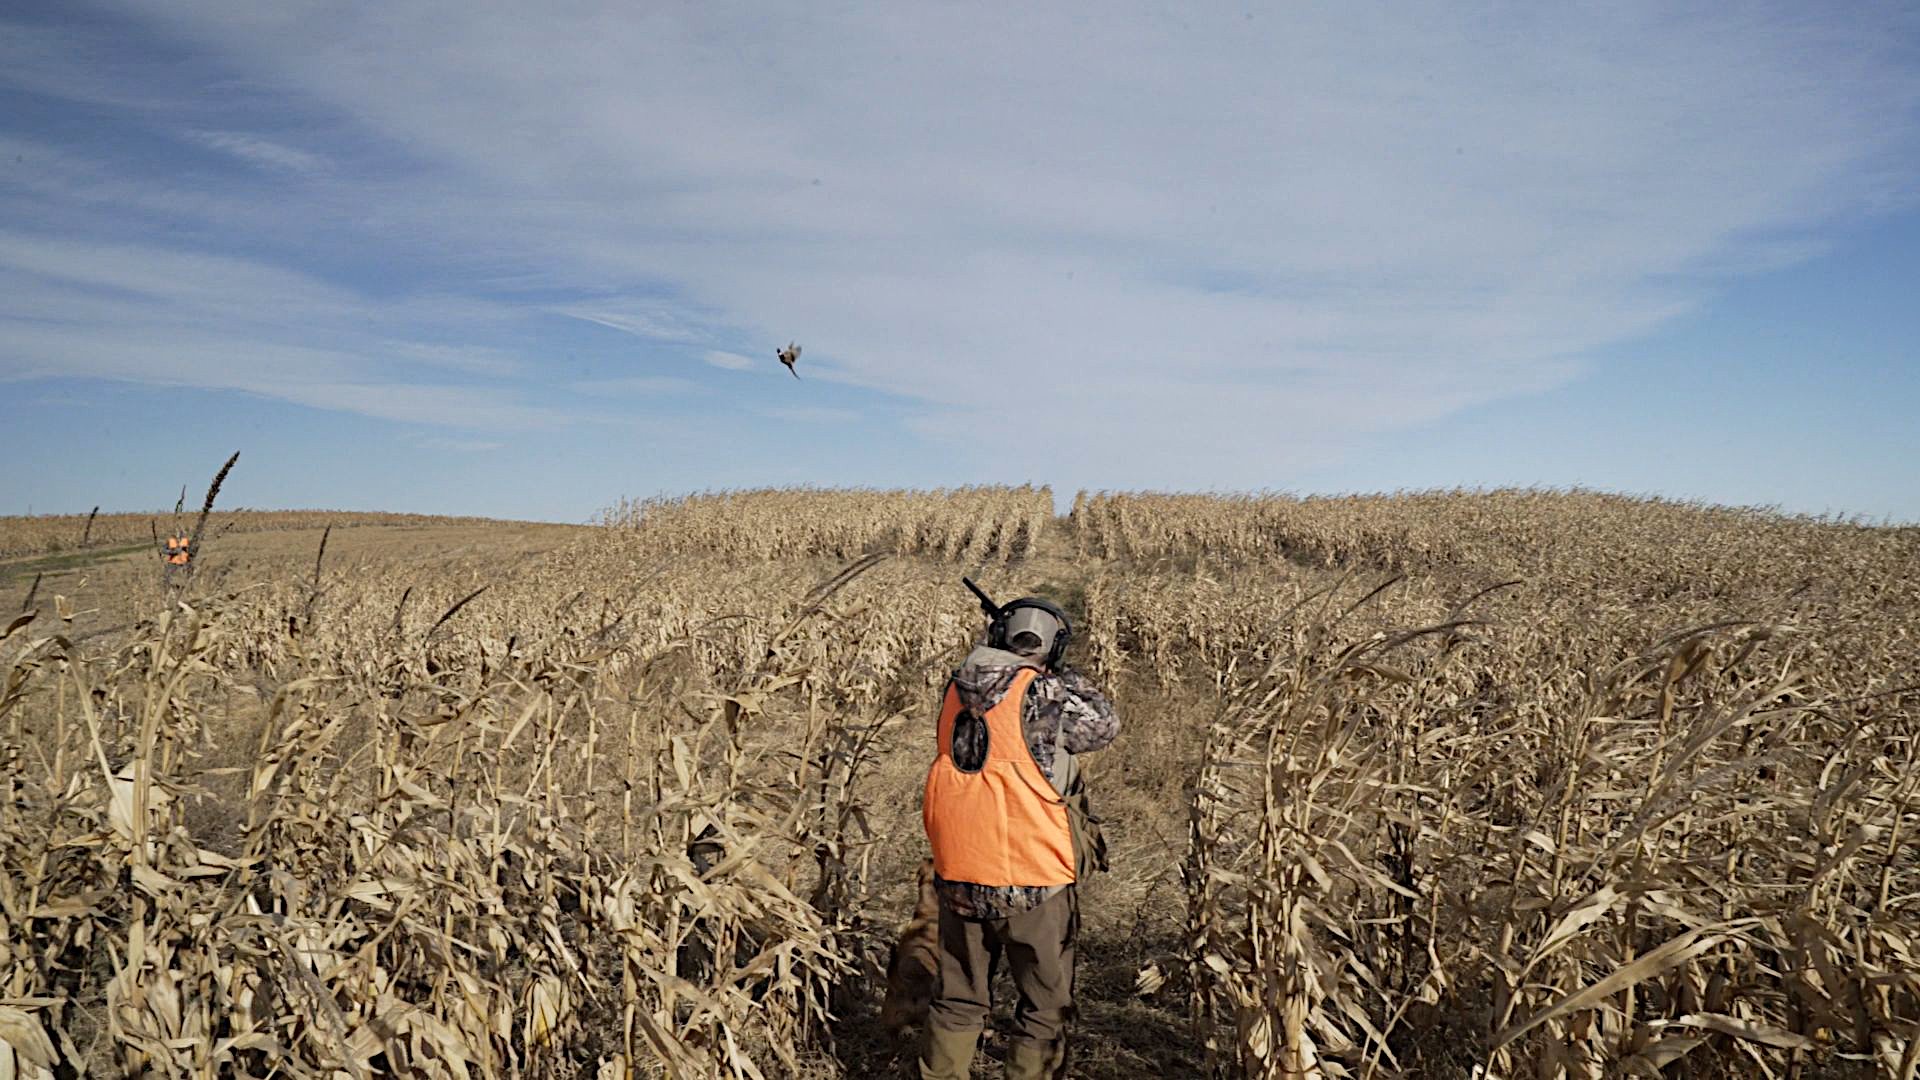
(788, 355)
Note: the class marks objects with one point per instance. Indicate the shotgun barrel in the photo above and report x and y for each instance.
(986, 602)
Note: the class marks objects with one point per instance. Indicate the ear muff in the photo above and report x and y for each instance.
(1060, 642)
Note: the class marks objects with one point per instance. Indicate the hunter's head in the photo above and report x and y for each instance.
(1035, 629)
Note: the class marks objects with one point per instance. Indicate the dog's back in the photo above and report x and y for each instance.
(913, 972)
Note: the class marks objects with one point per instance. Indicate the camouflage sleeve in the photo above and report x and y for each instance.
(1087, 722)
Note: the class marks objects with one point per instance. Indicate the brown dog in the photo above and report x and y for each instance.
(913, 971)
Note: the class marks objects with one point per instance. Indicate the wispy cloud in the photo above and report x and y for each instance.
(635, 386)
(460, 446)
(1204, 245)
(147, 314)
(265, 153)
(808, 414)
(316, 378)
(728, 361)
(641, 318)
(470, 359)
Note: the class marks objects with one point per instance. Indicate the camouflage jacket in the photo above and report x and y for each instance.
(1062, 707)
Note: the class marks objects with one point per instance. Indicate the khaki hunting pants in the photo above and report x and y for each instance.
(1038, 944)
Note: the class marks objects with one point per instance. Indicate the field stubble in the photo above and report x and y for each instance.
(1598, 787)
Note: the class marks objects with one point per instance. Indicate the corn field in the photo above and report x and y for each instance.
(968, 525)
(1506, 784)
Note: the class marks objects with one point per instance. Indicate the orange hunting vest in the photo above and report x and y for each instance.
(1004, 825)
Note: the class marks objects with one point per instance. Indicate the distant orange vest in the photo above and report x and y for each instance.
(1004, 825)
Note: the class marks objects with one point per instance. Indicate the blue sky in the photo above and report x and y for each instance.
(490, 258)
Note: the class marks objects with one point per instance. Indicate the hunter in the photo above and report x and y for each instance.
(1007, 817)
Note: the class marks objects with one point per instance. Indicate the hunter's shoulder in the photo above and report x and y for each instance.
(1072, 681)
(985, 659)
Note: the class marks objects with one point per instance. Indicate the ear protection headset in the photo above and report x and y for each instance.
(997, 629)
